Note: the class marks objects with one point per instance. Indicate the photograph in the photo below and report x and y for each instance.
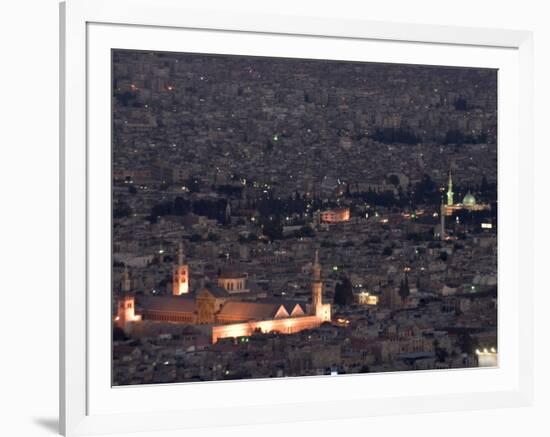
(252, 218)
(286, 217)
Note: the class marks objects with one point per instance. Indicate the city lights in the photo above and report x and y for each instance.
(287, 217)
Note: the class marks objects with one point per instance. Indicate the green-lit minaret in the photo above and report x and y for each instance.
(450, 190)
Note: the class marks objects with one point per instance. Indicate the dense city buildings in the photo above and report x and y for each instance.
(285, 217)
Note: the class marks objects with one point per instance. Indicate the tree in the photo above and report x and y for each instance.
(461, 104)
(343, 292)
(161, 209)
(404, 290)
(247, 238)
(181, 206)
(125, 98)
(440, 353)
(455, 136)
(418, 283)
(213, 237)
(121, 210)
(484, 185)
(304, 231)
(467, 343)
(118, 334)
(229, 190)
(195, 238)
(193, 184)
(390, 135)
(425, 191)
(273, 230)
(364, 369)
(394, 179)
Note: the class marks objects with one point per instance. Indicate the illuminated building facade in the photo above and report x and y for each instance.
(180, 277)
(126, 305)
(336, 215)
(487, 357)
(224, 311)
(233, 281)
(365, 298)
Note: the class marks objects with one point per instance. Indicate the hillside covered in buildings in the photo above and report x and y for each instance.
(283, 217)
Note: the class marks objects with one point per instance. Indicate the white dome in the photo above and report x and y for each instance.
(469, 200)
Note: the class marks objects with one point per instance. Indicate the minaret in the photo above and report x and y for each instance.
(126, 305)
(180, 277)
(450, 200)
(126, 284)
(316, 287)
(228, 212)
(442, 217)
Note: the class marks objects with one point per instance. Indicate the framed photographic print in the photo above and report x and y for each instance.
(298, 218)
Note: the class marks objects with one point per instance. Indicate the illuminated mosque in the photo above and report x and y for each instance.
(224, 309)
(468, 202)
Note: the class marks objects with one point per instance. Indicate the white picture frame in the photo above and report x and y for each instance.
(88, 405)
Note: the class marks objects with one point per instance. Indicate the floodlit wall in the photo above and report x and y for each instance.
(289, 325)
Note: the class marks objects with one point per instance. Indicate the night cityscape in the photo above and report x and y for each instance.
(278, 217)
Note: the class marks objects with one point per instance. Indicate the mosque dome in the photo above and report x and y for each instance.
(469, 200)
